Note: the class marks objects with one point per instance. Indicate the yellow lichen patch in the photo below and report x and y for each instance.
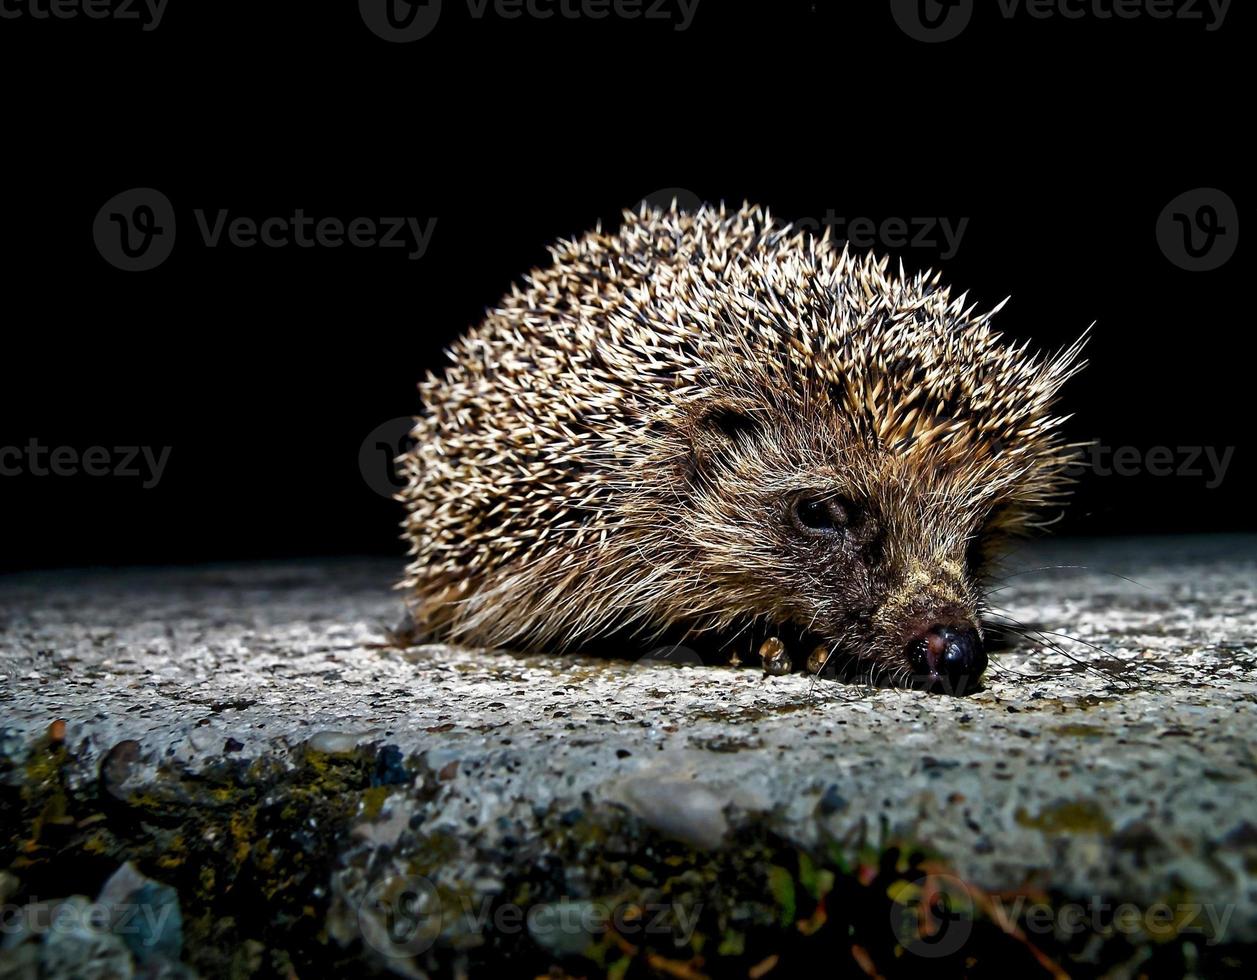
(372, 800)
(1074, 816)
(1078, 730)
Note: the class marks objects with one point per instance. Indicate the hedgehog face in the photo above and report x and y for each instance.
(893, 591)
(850, 550)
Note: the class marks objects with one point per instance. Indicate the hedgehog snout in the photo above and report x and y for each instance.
(948, 658)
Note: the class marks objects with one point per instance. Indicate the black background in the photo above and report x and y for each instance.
(1060, 140)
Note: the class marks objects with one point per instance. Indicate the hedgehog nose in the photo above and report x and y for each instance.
(948, 658)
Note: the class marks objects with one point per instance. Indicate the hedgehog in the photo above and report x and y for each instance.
(709, 426)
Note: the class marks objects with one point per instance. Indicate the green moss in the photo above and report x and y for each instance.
(733, 943)
(431, 852)
(781, 887)
(44, 790)
(1078, 730)
(1074, 816)
(373, 800)
(175, 855)
(249, 848)
(247, 845)
(619, 969)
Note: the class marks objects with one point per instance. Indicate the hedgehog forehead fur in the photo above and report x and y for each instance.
(619, 442)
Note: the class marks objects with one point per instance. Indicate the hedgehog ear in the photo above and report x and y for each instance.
(715, 428)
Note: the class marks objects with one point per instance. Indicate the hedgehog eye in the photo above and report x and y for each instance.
(728, 421)
(715, 431)
(821, 513)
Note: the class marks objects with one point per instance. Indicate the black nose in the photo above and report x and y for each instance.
(948, 658)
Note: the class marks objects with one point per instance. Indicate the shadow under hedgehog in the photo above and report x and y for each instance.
(709, 426)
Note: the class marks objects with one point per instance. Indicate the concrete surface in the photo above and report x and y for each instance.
(241, 730)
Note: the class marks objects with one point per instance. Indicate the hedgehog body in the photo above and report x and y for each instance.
(706, 420)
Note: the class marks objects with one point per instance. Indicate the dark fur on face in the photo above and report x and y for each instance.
(706, 421)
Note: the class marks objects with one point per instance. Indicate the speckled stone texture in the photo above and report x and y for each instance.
(1117, 766)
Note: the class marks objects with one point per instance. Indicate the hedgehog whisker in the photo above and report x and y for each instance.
(1002, 669)
(1087, 568)
(1099, 649)
(1043, 637)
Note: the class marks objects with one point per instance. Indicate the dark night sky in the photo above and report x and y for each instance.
(1054, 144)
